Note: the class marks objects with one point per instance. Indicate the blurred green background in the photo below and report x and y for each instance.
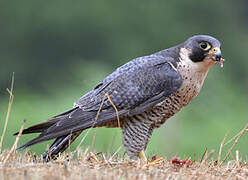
(61, 49)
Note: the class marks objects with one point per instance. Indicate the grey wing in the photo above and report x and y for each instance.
(134, 83)
(133, 88)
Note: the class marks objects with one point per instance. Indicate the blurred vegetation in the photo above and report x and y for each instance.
(60, 49)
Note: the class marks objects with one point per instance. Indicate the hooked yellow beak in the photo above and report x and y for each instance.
(216, 52)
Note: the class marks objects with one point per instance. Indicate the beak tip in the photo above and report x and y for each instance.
(218, 55)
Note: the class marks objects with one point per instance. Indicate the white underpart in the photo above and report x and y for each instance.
(193, 73)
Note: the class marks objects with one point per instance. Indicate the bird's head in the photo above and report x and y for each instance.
(203, 49)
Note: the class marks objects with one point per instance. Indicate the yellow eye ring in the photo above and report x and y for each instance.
(204, 45)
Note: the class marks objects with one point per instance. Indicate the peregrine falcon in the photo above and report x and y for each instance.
(145, 92)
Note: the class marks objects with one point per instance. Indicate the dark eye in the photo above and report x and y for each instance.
(205, 46)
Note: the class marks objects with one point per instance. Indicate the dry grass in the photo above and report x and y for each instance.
(91, 166)
(11, 98)
(87, 165)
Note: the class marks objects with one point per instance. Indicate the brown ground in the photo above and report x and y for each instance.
(90, 166)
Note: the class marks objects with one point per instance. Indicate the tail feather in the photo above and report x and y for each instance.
(29, 143)
(41, 127)
(66, 127)
(60, 145)
(63, 138)
(38, 128)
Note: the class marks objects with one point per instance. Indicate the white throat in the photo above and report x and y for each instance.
(193, 73)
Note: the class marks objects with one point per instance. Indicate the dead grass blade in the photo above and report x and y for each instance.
(11, 98)
(13, 149)
(208, 156)
(221, 147)
(97, 115)
(117, 114)
(237, 158)
(193, 160)
(115, 153)
(93, 140)
(116, 110)
(118, 120)
(235, 143)
(230, 140)
(203, 155)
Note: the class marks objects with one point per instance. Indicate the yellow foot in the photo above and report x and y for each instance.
(156, 161)
(142, 156)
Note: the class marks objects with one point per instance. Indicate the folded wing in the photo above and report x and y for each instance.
(133, 88)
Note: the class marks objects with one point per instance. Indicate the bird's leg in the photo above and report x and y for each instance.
(136, 135)
(136, 142)
(142, 156)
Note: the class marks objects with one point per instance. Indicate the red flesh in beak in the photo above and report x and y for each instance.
(221, 62)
